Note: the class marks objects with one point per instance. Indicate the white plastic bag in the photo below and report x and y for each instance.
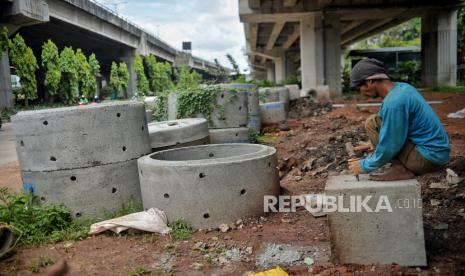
(152, 220)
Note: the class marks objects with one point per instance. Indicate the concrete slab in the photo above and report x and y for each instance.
(7, 144)
(273, 113)
(391, 233)
(229, 135)
(178, 133)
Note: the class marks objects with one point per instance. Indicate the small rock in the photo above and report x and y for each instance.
(435, 202)
(223, 227)
(222, 260)
(214, 238)
(284, 127)
(197, 266)
(249, 250)
(439, 185)
(441, 226)
(309, 261)
(239, 222)
(255, 229)
(452, 177)
(298, 178)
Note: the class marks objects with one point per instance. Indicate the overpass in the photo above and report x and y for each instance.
(88, 25)
(285, 36)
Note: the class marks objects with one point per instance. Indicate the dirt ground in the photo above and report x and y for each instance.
(311, 150)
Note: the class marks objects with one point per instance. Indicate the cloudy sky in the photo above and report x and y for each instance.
(212, 25)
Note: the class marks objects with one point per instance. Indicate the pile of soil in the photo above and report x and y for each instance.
(306, 107)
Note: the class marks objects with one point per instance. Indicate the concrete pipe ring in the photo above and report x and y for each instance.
(209, 185)
(80, 136)
(178, 133)
(229, 135)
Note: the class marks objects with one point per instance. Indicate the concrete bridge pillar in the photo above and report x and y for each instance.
(320, 53)
(6, 93)
(270, 76)
(132, 86)
(439, 48)
(280, 68)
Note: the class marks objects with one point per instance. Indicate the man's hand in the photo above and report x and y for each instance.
(354, 166)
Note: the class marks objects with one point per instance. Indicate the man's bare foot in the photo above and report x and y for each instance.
(396, 172)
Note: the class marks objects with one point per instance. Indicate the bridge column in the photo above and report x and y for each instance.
(280, 68)
(270, 74)
(6, 93)
(132, 86)
(439, 48)
(332, 56)
(310, 54)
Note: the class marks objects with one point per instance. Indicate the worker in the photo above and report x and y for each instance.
(405, 132)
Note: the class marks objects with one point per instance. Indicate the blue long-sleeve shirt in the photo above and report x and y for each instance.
(405, 115)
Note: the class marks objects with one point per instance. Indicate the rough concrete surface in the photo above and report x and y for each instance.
(209, 185)
(7, 144)
(294, 91)
(88, 191)
(178, 132)
(273, 254)
(80, 136)
(230, 110)
(255, 123)
(273, 113)
(229, 135)
(382, 237)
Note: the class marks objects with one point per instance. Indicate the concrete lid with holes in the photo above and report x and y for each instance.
(174, 132)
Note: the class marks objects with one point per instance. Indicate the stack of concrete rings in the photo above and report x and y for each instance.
(84, 156)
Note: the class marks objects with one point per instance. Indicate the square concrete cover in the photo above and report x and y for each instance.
(382, 237)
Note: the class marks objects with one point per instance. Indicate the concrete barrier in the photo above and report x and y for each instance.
(273, 113)
(209, 185)
(150, 102)
(88, 192)
(255, 123)
(230, 110)
(80, 136)
(178, 133)
(267, 95)
(294, 91)
(229, 135)
(383, 236)
(172, 103)
(149, 115)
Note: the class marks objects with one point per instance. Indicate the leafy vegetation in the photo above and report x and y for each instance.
(159, 74)
(187, 80)
(69, 88)
(123, 75)
(200, 100)
(408, 71)
(87, 82)
(41, 262)
(160, 111)
(234, 64)
(180, 230)
(455, 89)
(51, 63)
(23, 59)
(39, 223)
(4, 40)
(142, 82)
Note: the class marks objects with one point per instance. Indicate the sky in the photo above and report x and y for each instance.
(212, 26)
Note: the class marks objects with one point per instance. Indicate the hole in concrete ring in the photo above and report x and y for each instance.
(237, 134)
(269, 164)
(211, 154)
(21, 143)
(177, 143)
(53, 158)
(73, 178)
(78, 214)
(113, 190)
(143, 128)
(222, 95)
(243, 191)
(42, 199)
(118, 114)
(206, 215)
(240, 107)
(45, 123)
(201, 175)
(166, 196)
(124, 148)
(141, 172)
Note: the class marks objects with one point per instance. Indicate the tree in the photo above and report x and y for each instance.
(94, 68)
(51, 63)
(123, 75)
(187, 80)
(142, 82)
(69, 85)
(220, 72)
(115, 82)
(159, 74)
(25, 63)
(4, 40)
(461, 35)
(233, 64)
(87, 82)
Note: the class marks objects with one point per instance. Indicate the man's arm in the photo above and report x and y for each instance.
(392, 137)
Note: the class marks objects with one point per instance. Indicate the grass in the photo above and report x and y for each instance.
(180, 230)
(41, 262)
(46, 223)
(455, 89)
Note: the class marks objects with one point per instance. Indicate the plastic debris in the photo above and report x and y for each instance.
(309, 261)
(457, 115)
(152, 220)
(271, 272)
